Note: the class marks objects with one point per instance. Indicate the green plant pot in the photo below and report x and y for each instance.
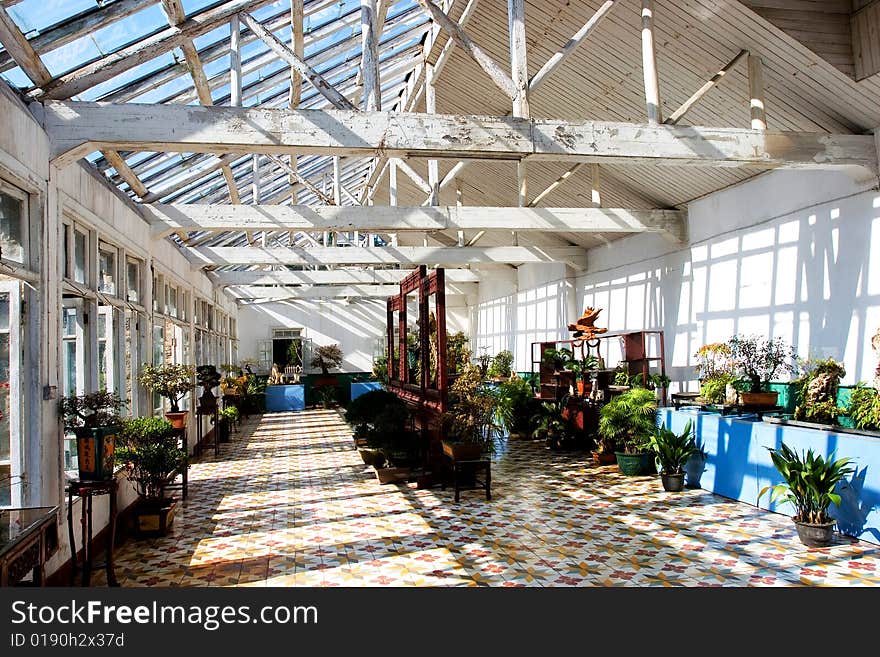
(634, 465)
(672, 483)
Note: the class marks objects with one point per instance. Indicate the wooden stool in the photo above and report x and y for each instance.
(473, 466)
(86, 490)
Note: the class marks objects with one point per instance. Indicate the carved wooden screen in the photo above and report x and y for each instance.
(417, 349)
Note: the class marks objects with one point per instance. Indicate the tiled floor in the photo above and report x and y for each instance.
(289, 503)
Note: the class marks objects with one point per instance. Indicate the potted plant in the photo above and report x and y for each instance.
(864, 408)
(499, 369)
(658, 383)
(515, 406)
(712, 360)
(226, 419)
(714, 389)
(629, 419)
(380, 369)
(380, 420)
(583, 370)
(458, 356)
(809, 482)
(551, 425)
(326, 396)
(151, 456)
(817, 389)
(672, 451)
(470, 421)
(327, 357)
(208, 377)
(557, 359)
(172, 382)
(757, 361)
(94, 419)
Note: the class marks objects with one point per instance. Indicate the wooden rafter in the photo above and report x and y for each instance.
(361, 276)
(21, 51)
(113, 64)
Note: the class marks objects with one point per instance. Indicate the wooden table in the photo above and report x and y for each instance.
(464, 475)
(28, 537)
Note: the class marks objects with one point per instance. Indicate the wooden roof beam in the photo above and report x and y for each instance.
(21, 51)
(206, 256)
(171, 218)
(331, 277)
(76, 129)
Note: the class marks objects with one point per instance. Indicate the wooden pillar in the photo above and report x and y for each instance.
(516, 15)
(298, 47)
(370, 56)
(756, 93)
(235, 62)
(392, 194)
(596, 190)
(431, 108)
(649, 64)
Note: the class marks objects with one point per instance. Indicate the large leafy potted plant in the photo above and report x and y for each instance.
(672, 451)
(551, 425)
(864, 408)
(583, 369)
(458, 356)
(757, 361)
(380, 420)
(499, 369)
(94, 419)
(515, 406)
(151, 456)
(172, 382)
(809, 483)
(470, 421)
(629, 419)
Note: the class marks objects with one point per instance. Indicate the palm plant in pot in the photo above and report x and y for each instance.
(172, 382)
(672, 451)
(629, 419)
(809, 483)
(150, 455)
(551, 425)
(757, 361)
(94, 419)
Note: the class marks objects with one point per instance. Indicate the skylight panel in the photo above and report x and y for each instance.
(33, 16)
(131, 29)
(127, 76)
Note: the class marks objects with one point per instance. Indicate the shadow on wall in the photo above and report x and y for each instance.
(812, 278)
(356, 326)
(514, 321)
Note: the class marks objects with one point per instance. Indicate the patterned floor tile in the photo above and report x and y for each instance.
(290, 503)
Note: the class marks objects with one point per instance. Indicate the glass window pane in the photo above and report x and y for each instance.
(133, 282)
(79, 257)
(66, 251)
(11, 215)
(107, 281)
(4, 311)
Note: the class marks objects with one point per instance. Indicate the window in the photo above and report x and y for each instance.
(171, 306)
(107, 271)
(158, 294)
(13, 224)
(5, 409)
(73, 365)
(80, 256)
(133, 281)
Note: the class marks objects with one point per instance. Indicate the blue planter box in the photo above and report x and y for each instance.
(738, 465)
(285, 398)
(358, 389)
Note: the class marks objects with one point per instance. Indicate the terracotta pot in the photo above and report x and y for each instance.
(177, 419)
(604, 458)
(759, 399)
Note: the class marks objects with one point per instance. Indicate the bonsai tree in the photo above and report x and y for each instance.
(95, 409)
(501, 364)
(208, 377)
(713, 360)
(809, 482)
(171, 381)
(471, 418)
(628, 421)
(150, 454)
(327, 357)
(758, 360)
(817, 391)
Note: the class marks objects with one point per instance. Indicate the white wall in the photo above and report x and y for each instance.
(515, 308)
(357, 326)
(789, 254)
